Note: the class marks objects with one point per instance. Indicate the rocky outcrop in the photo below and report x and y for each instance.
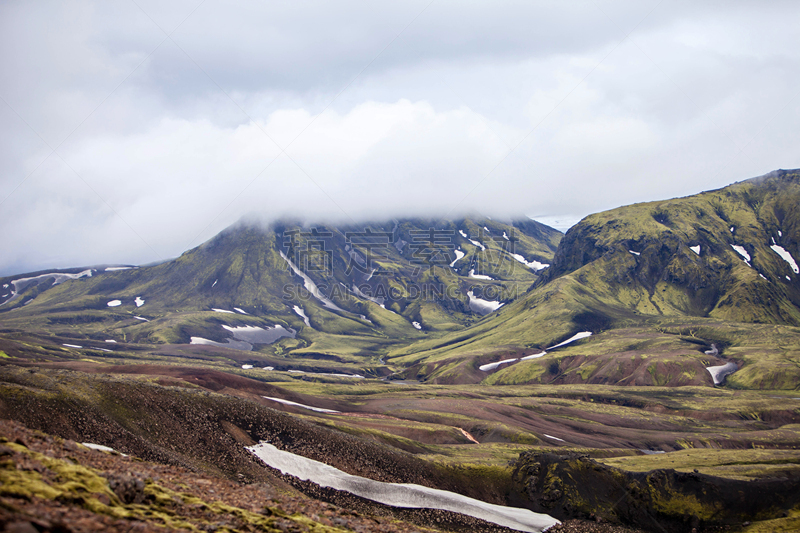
(575, 486)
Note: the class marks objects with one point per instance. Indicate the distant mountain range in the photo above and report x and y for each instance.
(652, 293)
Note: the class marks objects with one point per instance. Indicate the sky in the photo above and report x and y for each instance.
(131, 131)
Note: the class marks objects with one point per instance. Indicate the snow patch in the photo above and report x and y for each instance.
(247, 367)
(230, 343)
(695, 249)
(534, 356)
(215, 282)
(732, 229)
(258, 335)
(141, 318)
(112, 269)
(400, 495)
(535, 265)
(114, 303)
(417, 325)
(462, 233)
(473, 275)
(295, 404)
(762, 275)
(479, 245)
(552, 437)
(492, 366)
(719, 373)
(505, 236)
(222, 311)
(311, 286)
(741, 251)
(302, 314)
(786, 256)
(139, 302)
(481, 306)
(58, 278)
(72, 346)
(487, 229)
(111, 340)
(459, 255)
(240, 311)
(635, 253)
(98, 447)
(780, 233)
(577, 336)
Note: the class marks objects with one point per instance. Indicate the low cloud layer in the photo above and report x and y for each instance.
(355, 111)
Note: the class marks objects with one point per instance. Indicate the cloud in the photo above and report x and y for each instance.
(382, 110)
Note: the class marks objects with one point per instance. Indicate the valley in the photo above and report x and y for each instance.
(654, 346)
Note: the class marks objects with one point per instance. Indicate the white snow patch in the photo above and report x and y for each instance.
(72, 346)
(141, 318)
(112, 269)
(479, 245)
(139, 302)
(111, 340)
(417, 325)
(719, 373)
(788, 278)
(295, 404)
(577, 336)
(462, 233)
(481, 306)
(98, 447)
(552, 437)
(58, 278)
(114, 303)
(535, 265)
(230, 343)
(780, 233)
(534, 356)
(5, 285)
(302, 314)
(473, 275)
(505, 236)
(311, 286)
(222, 311)
(247, 367)
(269, 368)
(741, 251)
(732, 229)
(240, 311)
(492, 366)
(786, 256)
(459, 255)
(372, 299)
(400, 495)
(259, 335)
(695, 249)
(215, 282)
(104, 350)
(762, 275)
(487, 229)
(635, 253)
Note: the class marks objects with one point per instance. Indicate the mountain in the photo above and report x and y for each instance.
(667, 289)
(677, 292)
(325, 292)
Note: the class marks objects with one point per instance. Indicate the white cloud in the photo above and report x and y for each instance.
(169, 149)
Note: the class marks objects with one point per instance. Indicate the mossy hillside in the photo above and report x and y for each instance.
(242, 267)
(72, 484)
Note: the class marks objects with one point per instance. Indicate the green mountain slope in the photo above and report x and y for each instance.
(321, 291)
(720, 263)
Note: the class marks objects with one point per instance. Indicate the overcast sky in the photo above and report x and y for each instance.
(131, 131)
